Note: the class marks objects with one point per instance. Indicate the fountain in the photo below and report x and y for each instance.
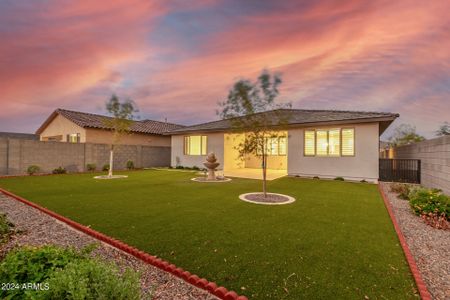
(211, 164)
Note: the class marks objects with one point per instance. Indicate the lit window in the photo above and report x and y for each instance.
(195, 144)
(282, 146)
(73, 138)
(332, 142)
(348, 142)
(310, 142)
(322, 142)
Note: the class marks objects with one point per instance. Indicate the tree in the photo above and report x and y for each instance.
(405, 134)
(245, 107)
(444, 129)
(122, 115)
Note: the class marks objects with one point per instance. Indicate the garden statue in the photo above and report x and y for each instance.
(211, 164)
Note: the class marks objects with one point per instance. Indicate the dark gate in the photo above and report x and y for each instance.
(400, 170)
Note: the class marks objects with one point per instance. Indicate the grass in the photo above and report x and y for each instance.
(336, 241)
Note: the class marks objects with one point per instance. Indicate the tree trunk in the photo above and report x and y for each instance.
(264, 169)
(111, 161)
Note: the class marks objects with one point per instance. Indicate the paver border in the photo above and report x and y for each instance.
(289, 201)
(202, 283)
(423, 291)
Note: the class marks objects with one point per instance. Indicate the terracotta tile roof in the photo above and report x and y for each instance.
(88, 120)
(297, 117)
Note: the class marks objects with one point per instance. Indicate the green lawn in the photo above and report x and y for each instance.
(335, 242)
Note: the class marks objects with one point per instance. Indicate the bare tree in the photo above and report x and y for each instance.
(252, 110)
(444, 129)
(122, 115)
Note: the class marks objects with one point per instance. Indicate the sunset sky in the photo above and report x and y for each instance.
(177, 59)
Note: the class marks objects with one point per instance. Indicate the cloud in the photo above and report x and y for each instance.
(178, 60)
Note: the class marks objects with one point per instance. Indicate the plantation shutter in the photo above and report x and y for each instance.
(334, 142)
(322, 142)
(310, 143)
(348, 142)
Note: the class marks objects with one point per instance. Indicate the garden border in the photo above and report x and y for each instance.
(423, 291)
(202, 283)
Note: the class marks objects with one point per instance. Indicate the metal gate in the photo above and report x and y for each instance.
(400, 170)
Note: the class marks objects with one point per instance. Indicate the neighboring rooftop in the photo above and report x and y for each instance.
(19, 135)
(300, 117)
(88, 120)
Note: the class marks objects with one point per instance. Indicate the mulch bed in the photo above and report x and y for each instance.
(271, 198)
(36, 228)
(429, 246)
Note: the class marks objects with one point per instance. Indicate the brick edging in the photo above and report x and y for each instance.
(202, 283)
(423, 291)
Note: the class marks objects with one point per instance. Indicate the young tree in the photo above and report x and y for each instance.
(444, 129)
(405, 134)
(245, 107)
(122, 115)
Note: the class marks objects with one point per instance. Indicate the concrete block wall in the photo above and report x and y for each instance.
(435, 161)
(17, 155)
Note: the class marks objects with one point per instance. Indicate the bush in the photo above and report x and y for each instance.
(432, 206)
(401, 189)
(105, 167)
(179, 167)
(316, 177)
(195, 168)
(68, 273)
(339, 178)
(92, 279)
(30, 264)
(130, 165)
(363, 181)
(33, 169)
(91, 167)
(5, 228)
(59, 170)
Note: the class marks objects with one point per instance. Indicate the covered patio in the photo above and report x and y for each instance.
(253, 173)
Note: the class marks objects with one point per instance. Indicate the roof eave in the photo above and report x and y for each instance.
(389, 119)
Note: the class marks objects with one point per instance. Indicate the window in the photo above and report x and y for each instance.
(348, 142)
(195, 144)
(274, 146)
(73, 138)
(330, 142)
(310, 143)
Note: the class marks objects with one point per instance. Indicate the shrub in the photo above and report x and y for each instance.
(363, 181)
(59, 170)
(92, 279)
(195, 168)
(432, 206)
(30, 264)
(130, 165)
(179, 167)
(401, 189)
(33, 169)
(91, 167)
(316, 177)
(339, 178)
(5, 228)
(105, 167)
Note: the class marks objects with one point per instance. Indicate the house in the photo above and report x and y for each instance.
(20, 136)
(323, 143)
(79, 127)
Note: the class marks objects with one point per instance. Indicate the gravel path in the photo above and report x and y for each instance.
(429, 246)
(37, 228)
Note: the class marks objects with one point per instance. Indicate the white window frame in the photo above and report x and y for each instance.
(203, 142)
(328, 136)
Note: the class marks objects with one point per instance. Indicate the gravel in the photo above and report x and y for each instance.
(429, 246)
(271, 198)
(34, 228)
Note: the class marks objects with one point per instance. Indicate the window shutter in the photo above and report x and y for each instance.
(348, 142)
(334, 142)
(68, 138)
(78, 137)
(310, 143)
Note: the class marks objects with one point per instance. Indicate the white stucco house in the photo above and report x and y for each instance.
(323, 143)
